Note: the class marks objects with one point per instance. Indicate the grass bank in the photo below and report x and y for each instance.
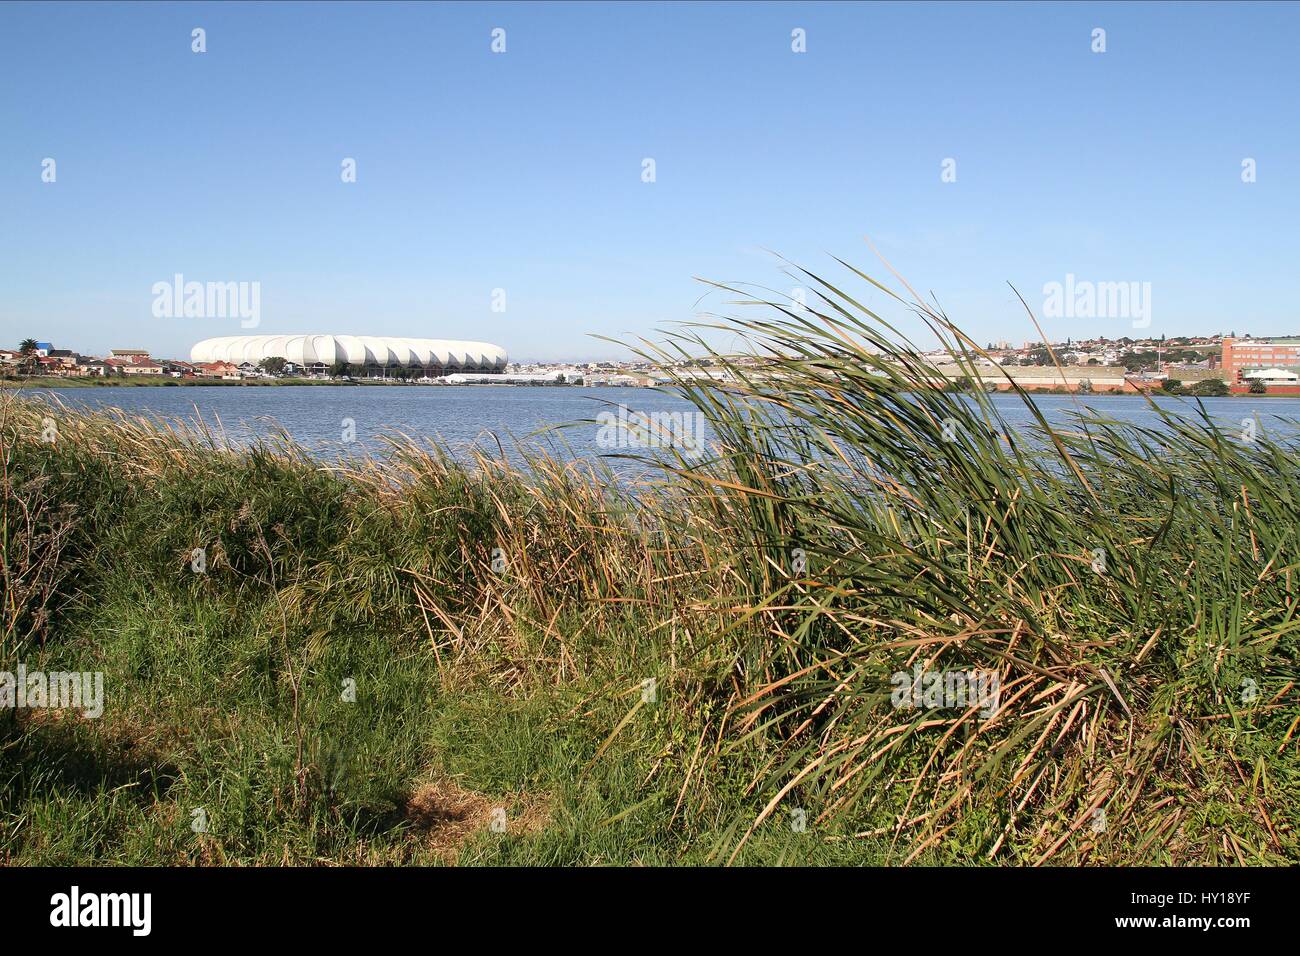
(415, 659)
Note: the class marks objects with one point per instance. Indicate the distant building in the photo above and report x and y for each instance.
(374, 354)
(137, 365)
(1272, 376)
(218, 370)
(501, 378)
(1244, 355)
(59, 360)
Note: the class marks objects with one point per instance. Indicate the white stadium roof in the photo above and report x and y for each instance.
(381, 350)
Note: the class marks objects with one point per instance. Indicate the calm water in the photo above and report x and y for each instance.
(457, 417)
(461, 416)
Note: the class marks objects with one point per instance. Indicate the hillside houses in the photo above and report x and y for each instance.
(46, 360)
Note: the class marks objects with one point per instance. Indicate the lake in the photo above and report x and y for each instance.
(319, 415)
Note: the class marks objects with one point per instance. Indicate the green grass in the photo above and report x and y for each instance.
(931, 533)
(201, 716)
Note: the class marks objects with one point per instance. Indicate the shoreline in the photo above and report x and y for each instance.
(152, 382)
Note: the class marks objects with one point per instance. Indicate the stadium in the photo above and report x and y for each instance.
(367, 354)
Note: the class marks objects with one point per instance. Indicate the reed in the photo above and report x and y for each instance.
(1132, 588)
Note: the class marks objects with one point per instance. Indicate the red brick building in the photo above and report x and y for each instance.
(1245, 355)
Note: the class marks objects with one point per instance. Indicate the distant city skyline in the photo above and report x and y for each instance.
(1120, 344)
(409, 170)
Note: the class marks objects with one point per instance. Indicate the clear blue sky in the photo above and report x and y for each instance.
(522, 170)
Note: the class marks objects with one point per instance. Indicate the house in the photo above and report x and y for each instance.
(138, 365)
(59, 362)
(219, 370)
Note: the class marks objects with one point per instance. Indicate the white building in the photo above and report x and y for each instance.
(368, 352)
(1271, 376)
(505, 378)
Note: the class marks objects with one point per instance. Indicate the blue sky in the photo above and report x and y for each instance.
(522, 171)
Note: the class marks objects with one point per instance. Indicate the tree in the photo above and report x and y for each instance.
(1210, 388)
(27, 350)
(1172, 385)
(273, 365)
(339, 370)
(1085, 386)
(1257, 387)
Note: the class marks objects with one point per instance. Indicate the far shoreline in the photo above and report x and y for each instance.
(152, 381)
(54, 382)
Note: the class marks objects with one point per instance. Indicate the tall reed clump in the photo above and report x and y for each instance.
(1133, 589)
(47, 507)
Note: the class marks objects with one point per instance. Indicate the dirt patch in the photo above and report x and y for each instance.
(446, 815)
